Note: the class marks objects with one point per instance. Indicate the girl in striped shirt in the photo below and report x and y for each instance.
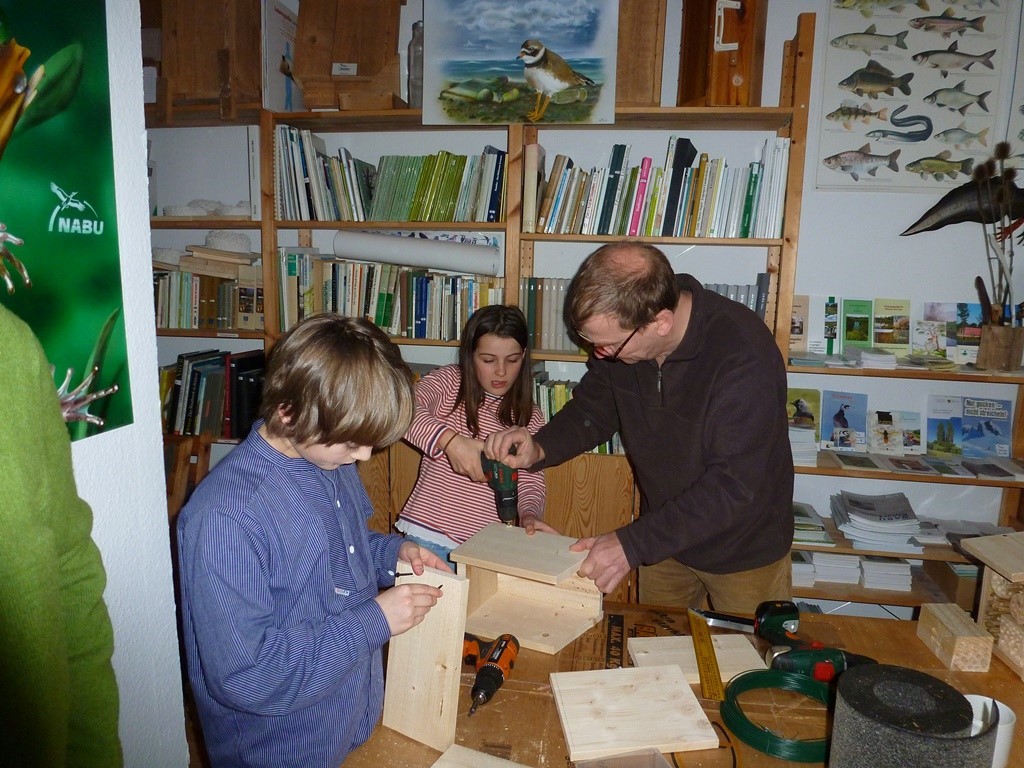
(457, 406)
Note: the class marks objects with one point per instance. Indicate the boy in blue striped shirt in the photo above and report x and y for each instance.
(287, 598)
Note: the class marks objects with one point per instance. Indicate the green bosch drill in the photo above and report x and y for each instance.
(504, 481)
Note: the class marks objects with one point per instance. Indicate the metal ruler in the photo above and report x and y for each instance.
(711, 686)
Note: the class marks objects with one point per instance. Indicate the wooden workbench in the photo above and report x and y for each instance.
(521, 722)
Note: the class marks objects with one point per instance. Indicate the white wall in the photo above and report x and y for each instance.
(120, 473)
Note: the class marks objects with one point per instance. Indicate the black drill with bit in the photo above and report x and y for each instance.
(504, 481)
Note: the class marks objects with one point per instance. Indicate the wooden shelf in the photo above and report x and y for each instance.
(455, 226)
(923, 590)
(830, 470)
(845, 547)
(540, 237)
(962, 374)
(201, 114)
(626, 118)
(202, 222)
(197, 333)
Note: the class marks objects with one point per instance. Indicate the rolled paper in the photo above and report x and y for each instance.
(465, 258)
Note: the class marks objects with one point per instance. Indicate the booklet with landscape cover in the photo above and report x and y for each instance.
(985, 427)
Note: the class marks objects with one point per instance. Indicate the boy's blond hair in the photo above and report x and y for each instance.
(337, 380)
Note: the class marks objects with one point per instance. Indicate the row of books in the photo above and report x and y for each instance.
(551, 395)
(212, 392)
(314, 185)
(441, 187)
(404, 301)
(542, 300)
(841, 329)
(754, 296)
(192, 301)
(675, 199)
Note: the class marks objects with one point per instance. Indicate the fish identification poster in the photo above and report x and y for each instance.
(911, 92)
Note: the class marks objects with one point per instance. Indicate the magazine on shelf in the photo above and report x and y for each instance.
(944, 421)
(885, 433)
(864, 462)
(910, 464)
(948, 467)
(883, 512)
(985, 427)
(845, 420)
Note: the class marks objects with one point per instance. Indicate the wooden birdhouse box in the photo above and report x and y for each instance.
(527, 586)
(346, 53)
(1001, 609)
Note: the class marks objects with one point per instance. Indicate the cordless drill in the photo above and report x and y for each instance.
(493, 661)
(814, 660)
(504, 481)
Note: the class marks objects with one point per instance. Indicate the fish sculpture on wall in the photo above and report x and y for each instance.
(961, 204)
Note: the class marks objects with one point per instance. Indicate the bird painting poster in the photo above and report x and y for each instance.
(59, 259)
(912, 93)
(494, 62)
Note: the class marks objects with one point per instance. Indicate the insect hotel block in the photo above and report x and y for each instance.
(1001, 607)
(527, 586)
(950, 634)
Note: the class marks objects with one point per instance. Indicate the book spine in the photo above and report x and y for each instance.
(750, 198)
(639, 197)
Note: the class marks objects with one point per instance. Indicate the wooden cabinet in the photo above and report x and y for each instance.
(210, 63)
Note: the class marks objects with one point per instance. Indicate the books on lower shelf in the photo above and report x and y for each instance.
(212, 392)
(885, 573)
(837, 568)
(880, 522)
(551, 395)
(803, 568)
(405, 301)
(208, 295)
(808, 526)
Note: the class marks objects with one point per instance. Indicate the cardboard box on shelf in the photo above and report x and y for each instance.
(961, 590)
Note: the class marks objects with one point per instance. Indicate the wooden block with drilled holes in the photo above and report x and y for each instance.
(959, 643)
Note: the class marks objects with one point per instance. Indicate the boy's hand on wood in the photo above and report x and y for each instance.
(405, 606)
(418, 557)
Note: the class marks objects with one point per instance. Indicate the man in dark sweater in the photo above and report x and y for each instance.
(695, 385)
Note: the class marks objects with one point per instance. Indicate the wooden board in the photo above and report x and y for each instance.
(543, 557)
(543, 617)
(460, 757)
(421, 694)
(1004, 553)
(734, 653)
(610, 711)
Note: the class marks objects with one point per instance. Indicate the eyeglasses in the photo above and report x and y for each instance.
(618, 350)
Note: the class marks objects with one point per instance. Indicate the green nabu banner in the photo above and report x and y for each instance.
(59, 261)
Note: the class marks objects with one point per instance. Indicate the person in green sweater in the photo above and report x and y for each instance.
(58, 695)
